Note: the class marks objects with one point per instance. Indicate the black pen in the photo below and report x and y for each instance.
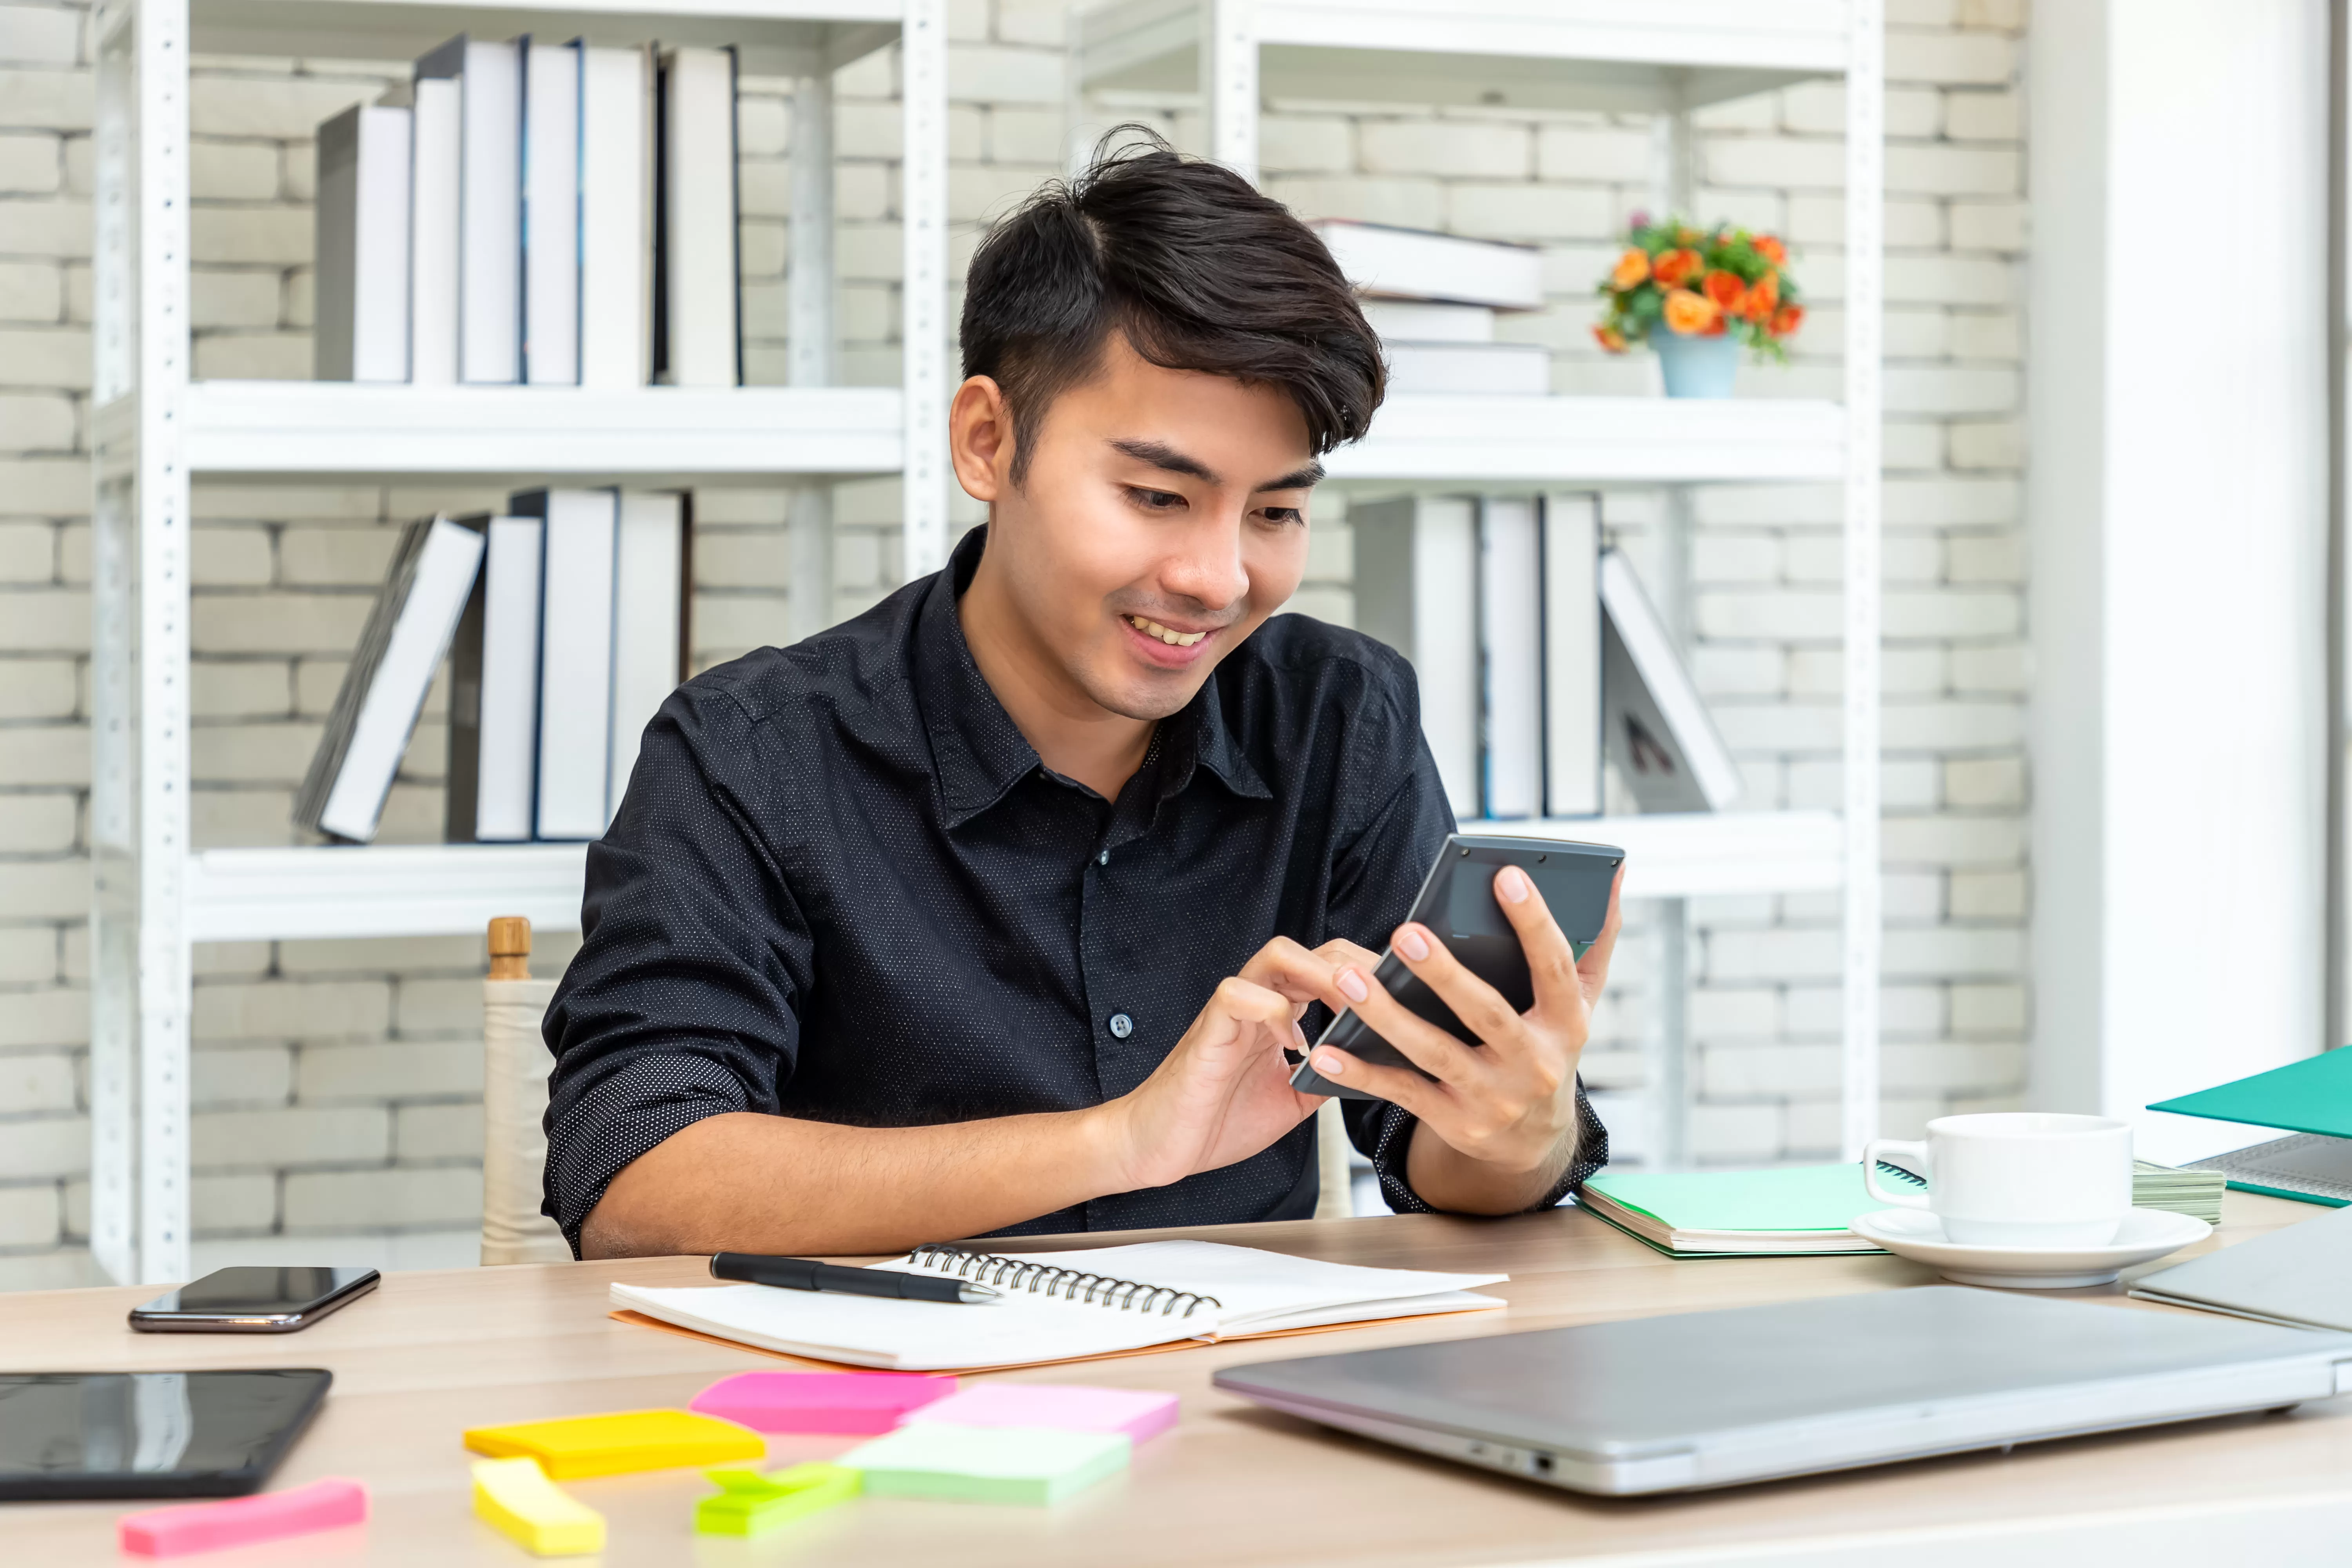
(808, 1274)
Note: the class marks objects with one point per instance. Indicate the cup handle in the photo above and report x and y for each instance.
(1870, 1151)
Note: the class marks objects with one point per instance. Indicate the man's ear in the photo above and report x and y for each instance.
(980, 439)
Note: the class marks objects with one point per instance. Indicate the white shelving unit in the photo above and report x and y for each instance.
(154, 429)
(1664, 59)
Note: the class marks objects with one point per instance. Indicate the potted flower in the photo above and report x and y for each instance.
(1696, 297)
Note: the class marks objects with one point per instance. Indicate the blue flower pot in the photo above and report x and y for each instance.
(1696, 367)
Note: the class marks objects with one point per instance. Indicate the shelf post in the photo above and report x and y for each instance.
(139, 999)
(1229, 82)
(1865, 93)
(809, 357)
(923, 182)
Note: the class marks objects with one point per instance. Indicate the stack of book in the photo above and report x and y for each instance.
(1538, 655)
(534, 212)
(564, 622)
(1433, 298)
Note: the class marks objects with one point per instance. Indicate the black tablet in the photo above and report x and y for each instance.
(66, 1434)
(1457, 901)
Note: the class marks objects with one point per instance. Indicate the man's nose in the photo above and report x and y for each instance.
(1207, 568)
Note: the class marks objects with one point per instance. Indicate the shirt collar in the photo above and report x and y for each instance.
(977, 749)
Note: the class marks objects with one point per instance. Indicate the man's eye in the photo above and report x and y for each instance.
(1154, 500)
(1284, 514)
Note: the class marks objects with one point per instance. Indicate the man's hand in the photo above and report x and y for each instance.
(1504, 1113)
(1224, 1093)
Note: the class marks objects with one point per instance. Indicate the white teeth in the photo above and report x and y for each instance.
(1152, 628)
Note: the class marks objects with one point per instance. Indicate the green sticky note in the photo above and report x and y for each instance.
(749, 1503)
(1790, 1197)
(1031, 1465)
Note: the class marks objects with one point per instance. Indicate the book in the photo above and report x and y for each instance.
(490, 206)
(616, 211)
(1571, 655)
(400, 650)
(362, 220)
(1417, 590)
(575, 658)
(1061, 1306)
(552, 128)
(1519, 370)
(1785, 1211)
(649, 624)
(1425, 322)
(1416, 264)
(2312, 1099)
(1658, 731)
(494, 691)
(437, 176)
(2299, 1275)
(695, 339)
(1510, 657)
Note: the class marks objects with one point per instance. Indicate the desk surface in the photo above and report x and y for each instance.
(431, 1353)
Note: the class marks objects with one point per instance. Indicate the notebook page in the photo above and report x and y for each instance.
(1257, 1291)
(907, 1336)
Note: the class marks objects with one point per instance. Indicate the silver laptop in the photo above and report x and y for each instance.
(1711, 1399)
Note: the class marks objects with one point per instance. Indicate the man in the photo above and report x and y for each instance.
(994, 910)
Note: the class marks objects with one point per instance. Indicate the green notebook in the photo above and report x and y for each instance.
(2312, 1098)
(1785, 1211)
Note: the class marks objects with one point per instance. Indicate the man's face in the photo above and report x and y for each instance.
(1162, 518)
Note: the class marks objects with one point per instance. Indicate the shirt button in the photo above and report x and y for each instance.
(1103, 859)
(1121, 1025)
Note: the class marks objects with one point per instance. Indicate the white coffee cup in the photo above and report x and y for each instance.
(2017, 1178)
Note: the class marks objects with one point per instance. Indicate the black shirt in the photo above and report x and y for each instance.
(842, 888)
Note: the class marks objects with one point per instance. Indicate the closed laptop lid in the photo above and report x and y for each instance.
(1623, 1390)
(2299, 1273)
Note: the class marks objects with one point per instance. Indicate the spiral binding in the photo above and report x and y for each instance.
(1020, 1274)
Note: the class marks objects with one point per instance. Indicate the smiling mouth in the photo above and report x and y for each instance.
(1152, 628)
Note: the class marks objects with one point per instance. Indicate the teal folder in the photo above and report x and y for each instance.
(2314, 1095)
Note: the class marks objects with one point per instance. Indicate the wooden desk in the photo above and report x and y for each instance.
(431, 1353)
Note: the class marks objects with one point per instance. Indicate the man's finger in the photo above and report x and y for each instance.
(1593, 968)
(1551, 961)
(1417, 1039)
(1479, 1005)
(1406, 1091)
(1282, 965)
(1340, 952)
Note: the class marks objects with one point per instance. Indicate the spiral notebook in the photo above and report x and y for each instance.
(1061, 1306)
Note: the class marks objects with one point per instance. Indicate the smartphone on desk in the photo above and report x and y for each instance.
(1457, 901)
(253, 1300)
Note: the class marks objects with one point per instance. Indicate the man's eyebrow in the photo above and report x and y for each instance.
(1305, 478)
(1160, 455)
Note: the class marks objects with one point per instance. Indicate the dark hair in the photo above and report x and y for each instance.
(1196, 269)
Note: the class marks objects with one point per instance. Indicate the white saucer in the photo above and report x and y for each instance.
(1918, 1235)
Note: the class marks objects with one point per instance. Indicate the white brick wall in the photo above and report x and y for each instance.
(336, 1084)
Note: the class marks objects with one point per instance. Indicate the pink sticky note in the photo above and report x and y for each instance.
(326, 1504)
(1069, 1407)
(860, 1403)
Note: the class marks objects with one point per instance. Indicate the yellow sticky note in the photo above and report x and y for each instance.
(515, 1496)
(585, 1445)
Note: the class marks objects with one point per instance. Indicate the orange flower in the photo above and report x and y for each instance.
(1633, 269)
(1675, 266)
(1763, 298)
(1610, 338)
(1726, 289)
(1787, 320)
(1693, 315)
(1771, 250)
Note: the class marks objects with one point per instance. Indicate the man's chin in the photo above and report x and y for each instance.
(1149, 700)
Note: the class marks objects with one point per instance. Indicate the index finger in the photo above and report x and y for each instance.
(1284, 966)
(1551, 959)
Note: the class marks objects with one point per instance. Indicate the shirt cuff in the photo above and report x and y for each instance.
(1392, 1137)
(611, 1123)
